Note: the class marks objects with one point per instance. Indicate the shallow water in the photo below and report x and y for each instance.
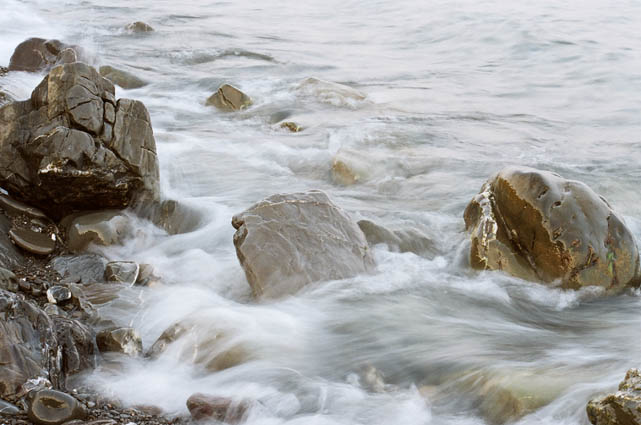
(454, 92)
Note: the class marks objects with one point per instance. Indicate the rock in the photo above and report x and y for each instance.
(620, 408)
(539, 226)
(229, 98)
(76, 343)
(34, 242)
(289, 240)
(8, 280)
(223, 409)
(5, 98)
(38, 54)
(8, 408)
(72, 147)
(11, 206)
(50, 407)
(291, 126)
(3, 71)
(330, 92)
(146, 276)
(58, 294)
(175, 217)
(120, 340)
(409, 240)
(138, 27)
(125, 272)
(54, 310)
(88, 268)
(169, 335)
(121, 78)
(102, 228)
(10, 257)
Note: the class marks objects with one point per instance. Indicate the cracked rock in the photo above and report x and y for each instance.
(229, 98)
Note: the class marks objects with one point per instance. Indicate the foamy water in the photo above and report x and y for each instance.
(453, 91)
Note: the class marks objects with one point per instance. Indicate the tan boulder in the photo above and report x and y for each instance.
(229, 98)
(621, 408)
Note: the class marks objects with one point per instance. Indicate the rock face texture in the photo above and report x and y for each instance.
(72, 146)
(289, 240)
(37, 54)
(539, 226)
(620, 408)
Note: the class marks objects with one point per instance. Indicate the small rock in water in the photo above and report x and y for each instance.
(203, 406)
(291, 126)
(122, 272)
(120, 340)
(146, 275)
(330, 92)
(121, 78)
(58, 294)
(33, 242)
(7, 408)
(50, 407)
(138, 27)
(620, 408)
(229, 98)
(103, 228)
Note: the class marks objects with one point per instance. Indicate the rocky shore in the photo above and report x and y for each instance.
(76, 163)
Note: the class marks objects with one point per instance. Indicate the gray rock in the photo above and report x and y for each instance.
(7, 408)
(76, 342)
(138, 27)
(620, 408)
(14, 207)
(121, 78)
(10, 257)
(34, 242)
(539, 226)
(8, 280)
(59, 152)
(120, 340)
(175, 217)
(38, 54)
(125, 272)
(102, 228)
(54, 310)
(50, 407)
(58, 294)
(146, 275)
(88, 268)
(229, 98)
(407, 240)
(289, 240)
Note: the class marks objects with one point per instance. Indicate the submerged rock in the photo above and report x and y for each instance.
(620, 408)
(138, 27)
(125, 272)
(349, 167)
(120, 340)
(34, 242)
(291, 126)
(102, 228)
(223, 409)
(121, 78)
(50, 407)
(175, 217)
(539, 226)
(409, 240)
(289, 240)
(38, 54)
(330, 92)
(229, 98)
(72, 146)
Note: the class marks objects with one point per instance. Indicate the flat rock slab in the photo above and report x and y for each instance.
(33, 242)
(289, 240)
(13, 206)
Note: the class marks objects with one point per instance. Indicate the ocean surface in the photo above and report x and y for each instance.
(454, 91)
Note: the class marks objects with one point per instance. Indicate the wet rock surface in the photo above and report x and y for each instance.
(320, 241)
(539, 226)
(34, 242)
(104, 228)
(38, 54)
(204, 406)
(119, 340)
(86, 268)
(125, 272)
(72, 146)
(121, 78)
(229, 98)
(620, 408)
(58, 294)
(10, 257)
(405, 240)
(50, 407)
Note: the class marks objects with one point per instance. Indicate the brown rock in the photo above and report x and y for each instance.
(289, 240)
(203, 406)
(33, 242)
(105, 228)
(38, 54)
(125, 272)
(620, 408)
(50, 407)
(539, 226)
(229, 98)
(120, 340)
(291, 126)
(12, 206)
(121, 78)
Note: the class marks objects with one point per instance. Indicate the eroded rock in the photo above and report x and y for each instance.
(289, 240)
(37, 243)
(38, 54)
(539, 226)
(223, 409)
(620, 408)
(138, 27)
(121, 78)
(229, 98)
(120, 340)
(102, 228)
(73, 147)
(50, 407)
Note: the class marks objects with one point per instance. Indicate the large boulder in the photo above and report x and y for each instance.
(289, 240)
(38, 54)
(72, 146)
(539, 226)
(620, 408)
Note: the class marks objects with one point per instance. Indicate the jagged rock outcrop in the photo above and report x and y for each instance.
(289, 240)
(38, 54)
(73, 146)
(539, 226)
(620, 408)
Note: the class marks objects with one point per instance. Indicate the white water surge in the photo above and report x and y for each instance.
(454, 92)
